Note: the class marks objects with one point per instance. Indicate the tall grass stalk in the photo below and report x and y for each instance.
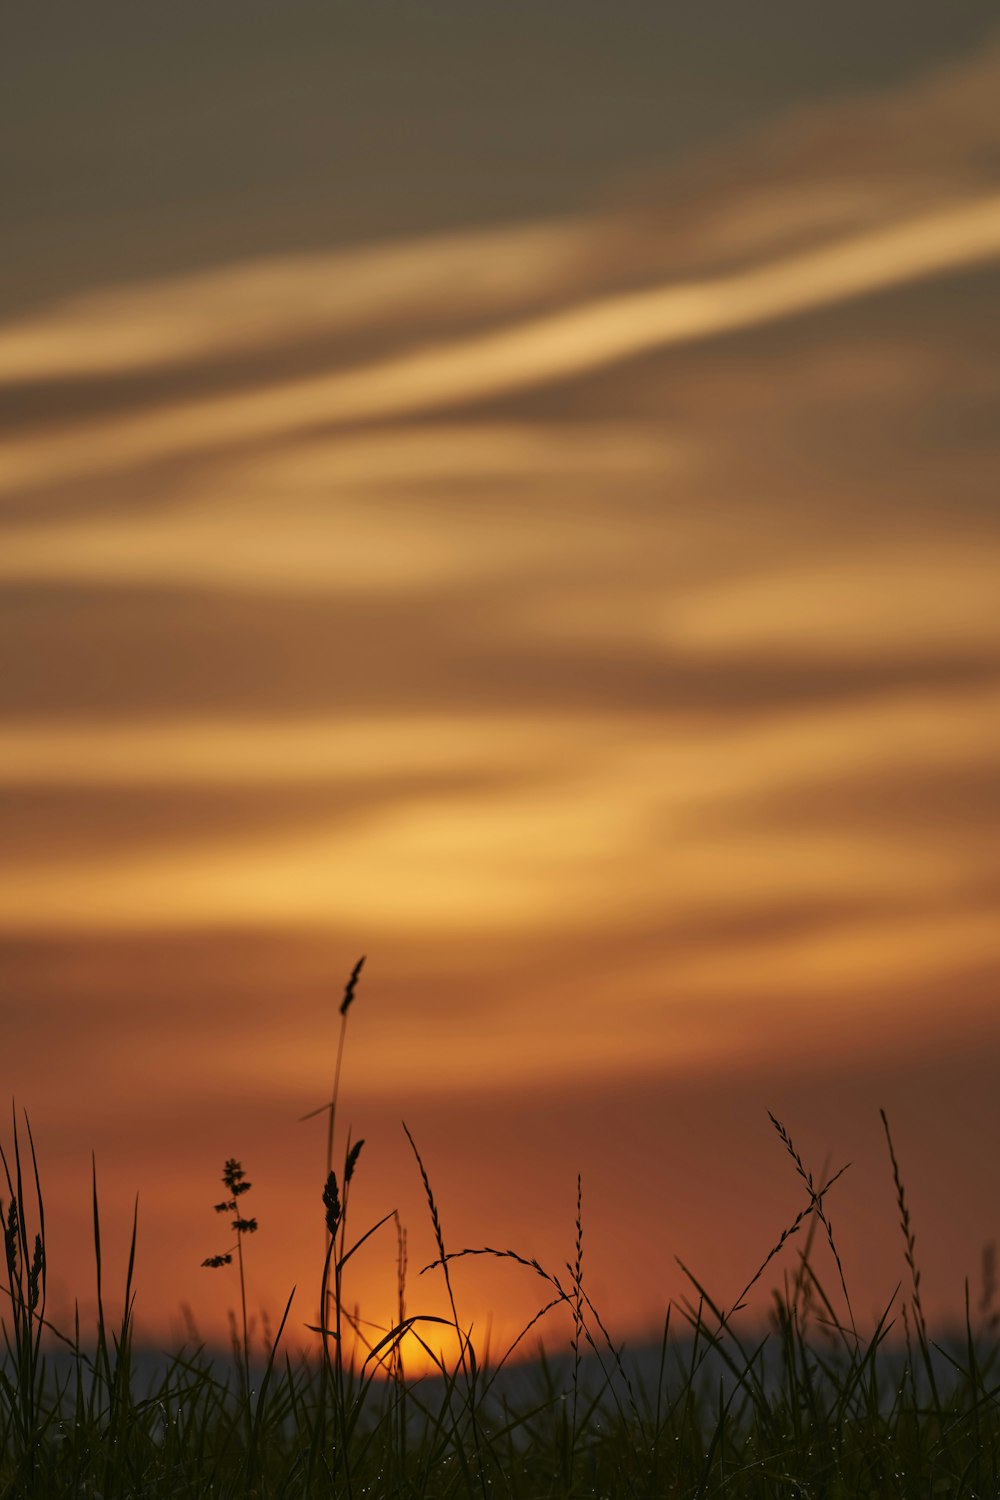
(910, 1252)
(26, 1266)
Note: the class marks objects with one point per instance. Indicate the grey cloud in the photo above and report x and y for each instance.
(958, 800)
(69, 820)
(71, 653)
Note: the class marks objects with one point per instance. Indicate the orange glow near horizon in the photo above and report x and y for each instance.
(593, 619)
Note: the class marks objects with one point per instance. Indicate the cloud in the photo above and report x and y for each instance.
(561, 346)
(182, 652)
(898, 603)
(287, 299)
(354, 515)
(531, 584)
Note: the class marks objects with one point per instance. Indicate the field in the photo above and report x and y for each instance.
(804, 1404)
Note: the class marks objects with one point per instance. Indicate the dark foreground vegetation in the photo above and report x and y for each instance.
(811, 1406)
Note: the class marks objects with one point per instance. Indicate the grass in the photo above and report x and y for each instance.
(808, 1406)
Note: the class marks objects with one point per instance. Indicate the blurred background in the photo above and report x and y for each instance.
(511, 491)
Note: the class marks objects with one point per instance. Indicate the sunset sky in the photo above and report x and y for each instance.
(512, 492)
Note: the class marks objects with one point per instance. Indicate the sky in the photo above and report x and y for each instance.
(511, 493)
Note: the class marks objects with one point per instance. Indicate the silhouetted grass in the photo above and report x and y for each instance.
(809, 1406)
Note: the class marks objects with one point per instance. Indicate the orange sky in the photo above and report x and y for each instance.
(585, 605)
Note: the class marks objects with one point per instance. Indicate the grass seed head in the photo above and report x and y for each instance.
(35, 1273)
(351, 986)
(10, 1231)
(331, 1200)
(352, 1160)
(233, 1177)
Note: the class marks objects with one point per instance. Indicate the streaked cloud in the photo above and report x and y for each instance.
(562, 346)
(279, 301)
